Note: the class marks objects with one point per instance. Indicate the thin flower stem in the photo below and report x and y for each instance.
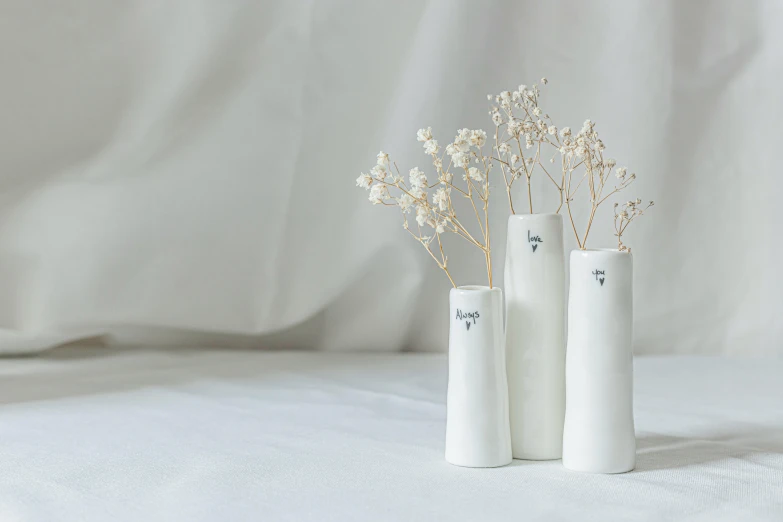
(580, 183)
(459, 228)
(548, 175)
(503, 170)
(443, 257)
(441, 265)
(487, 252)
(473, 204)
(589, 224)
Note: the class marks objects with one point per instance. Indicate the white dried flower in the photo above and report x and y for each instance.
(504, 148)
(489, 97)
(611, 162)
(475, 174)
(552, 130)
(461, 144)
(417, 178)
(440, 228)
(424, 134)
(422, 213)
(431, 146)
(451, 149)
(620, 172)
(515, 127)
(544, 81)
(505, 95)
(364, 180)
(378, 193)
(478, 138)
(383, 159)
(418, 193)
(522, 88)
(514, 159)
(565, 131)
(580, 151)
(497, 119)
(441, 198)
(537, 111)
(460, 159)
(405, 202)
(378, 172)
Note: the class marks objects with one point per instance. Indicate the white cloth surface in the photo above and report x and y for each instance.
(208, 435)
(183, 170)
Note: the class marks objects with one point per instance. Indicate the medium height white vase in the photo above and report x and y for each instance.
(599, 429)
(477, 430)
(535, 334)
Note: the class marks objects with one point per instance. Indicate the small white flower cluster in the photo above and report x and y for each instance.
(460, 150)
(623, 216)
(522, 127)
(524, 135)
(437, 212)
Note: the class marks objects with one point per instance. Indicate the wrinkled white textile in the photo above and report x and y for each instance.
(209, 435)
(184, 170)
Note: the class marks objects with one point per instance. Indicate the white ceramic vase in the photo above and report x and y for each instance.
(477, 429)
(534, 282)
(599, 429)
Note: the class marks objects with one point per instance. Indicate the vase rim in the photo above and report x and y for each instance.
(475, 289)
(543, 215)
(601, 251)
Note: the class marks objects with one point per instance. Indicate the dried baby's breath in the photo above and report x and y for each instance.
(519, 119)
(623, 216)
(432, 203)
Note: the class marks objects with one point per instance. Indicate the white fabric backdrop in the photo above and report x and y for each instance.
(183, 170)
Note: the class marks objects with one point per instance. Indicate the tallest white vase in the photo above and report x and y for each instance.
(535, 334)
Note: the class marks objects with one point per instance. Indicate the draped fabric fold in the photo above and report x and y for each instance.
(182, 172)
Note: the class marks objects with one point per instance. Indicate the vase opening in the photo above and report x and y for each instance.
(474, 288)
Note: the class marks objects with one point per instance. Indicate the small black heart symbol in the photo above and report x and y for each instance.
(467, 323)
(602, 281)
(534, 247)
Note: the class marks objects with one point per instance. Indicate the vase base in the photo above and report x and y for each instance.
(539, 458)
(478, 465)
(598, 470)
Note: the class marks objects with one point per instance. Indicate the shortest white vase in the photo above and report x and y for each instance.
(478, 434)
(598, 435)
